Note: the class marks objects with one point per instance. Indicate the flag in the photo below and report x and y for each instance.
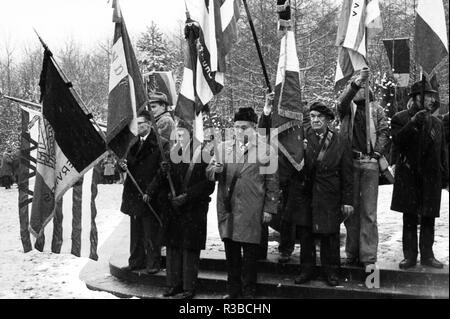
(288, 114)
(161, 81)
(357, 16)
(68, 145)
(126, 89)
(399, 56)
(430, 34)
(210, 31)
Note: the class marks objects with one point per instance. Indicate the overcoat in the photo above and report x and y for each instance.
(256, 191)
(328, 185)
(187, 225)
(144, 165)
(6, 165)
(419, 178)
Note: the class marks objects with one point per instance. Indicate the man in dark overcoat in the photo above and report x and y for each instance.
(326, 195)
(187, 222)
(146, 234)
(421, 171)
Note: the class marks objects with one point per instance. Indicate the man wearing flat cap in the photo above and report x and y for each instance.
(158, 104)
(326, 197)
(247, 197)
(362, 230)
(421, 171)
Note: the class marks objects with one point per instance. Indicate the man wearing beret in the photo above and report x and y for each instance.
(158, 104)
(326, 196)
(421, 171)
(362, 229)
(247, 197)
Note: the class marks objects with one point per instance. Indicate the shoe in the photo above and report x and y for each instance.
(172, 291)
(284, 258)
(132, 267)
(188, 294)
(432, 262)
(332, 280)
(407, 263)
(303, 278)
(152, 271)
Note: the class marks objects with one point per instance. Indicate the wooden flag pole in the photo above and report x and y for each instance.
(255, 38)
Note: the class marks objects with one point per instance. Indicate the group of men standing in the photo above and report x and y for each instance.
(338, 184)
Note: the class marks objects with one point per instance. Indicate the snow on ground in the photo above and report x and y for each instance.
(48, 275)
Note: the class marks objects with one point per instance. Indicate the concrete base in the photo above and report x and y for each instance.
(274, 280)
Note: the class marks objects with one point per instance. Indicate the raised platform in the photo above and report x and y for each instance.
(274, 280)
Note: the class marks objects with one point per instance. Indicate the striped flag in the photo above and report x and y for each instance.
(430, 34)
(161, 81)
(68, 146)
(288, 115)
(356, 17)
(126, 89)
(210, 31)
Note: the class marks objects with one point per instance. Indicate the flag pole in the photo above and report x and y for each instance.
(366, 93)
(15, 99)
(255, 38)
(102, 134)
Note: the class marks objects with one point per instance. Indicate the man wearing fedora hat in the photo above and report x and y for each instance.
(362, 229)
(247, 197)
(326, 197)
(421, 171)
(158, 104)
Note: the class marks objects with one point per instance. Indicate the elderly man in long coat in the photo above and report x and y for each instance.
(421, 171)
(247, 197)
(326, 195)
(187, 221)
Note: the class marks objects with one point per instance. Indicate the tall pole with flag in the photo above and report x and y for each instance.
(210, 32)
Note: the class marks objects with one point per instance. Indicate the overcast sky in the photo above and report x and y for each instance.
(85, 21)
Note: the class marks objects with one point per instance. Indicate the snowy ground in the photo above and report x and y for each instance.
(47, 275)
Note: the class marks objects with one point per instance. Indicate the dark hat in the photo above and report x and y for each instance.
(246, 114)
(416, 88)
(146, 114)
(159, 97)
(323, 109)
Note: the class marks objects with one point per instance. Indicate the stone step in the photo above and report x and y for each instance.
(276, 285)
(419, 275)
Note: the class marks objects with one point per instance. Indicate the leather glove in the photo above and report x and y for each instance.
(179, 200)
(419, 117)
(165, 167)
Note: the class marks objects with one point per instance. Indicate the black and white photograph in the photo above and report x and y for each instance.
(197, 151)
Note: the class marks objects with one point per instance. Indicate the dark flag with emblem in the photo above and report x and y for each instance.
(210, 32)
(126, 89)
(68, 145)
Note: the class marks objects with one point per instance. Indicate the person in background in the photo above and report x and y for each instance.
(6, 168)
(158, 104)
(421, 171)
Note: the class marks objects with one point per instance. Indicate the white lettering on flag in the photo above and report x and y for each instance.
(118, 69)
